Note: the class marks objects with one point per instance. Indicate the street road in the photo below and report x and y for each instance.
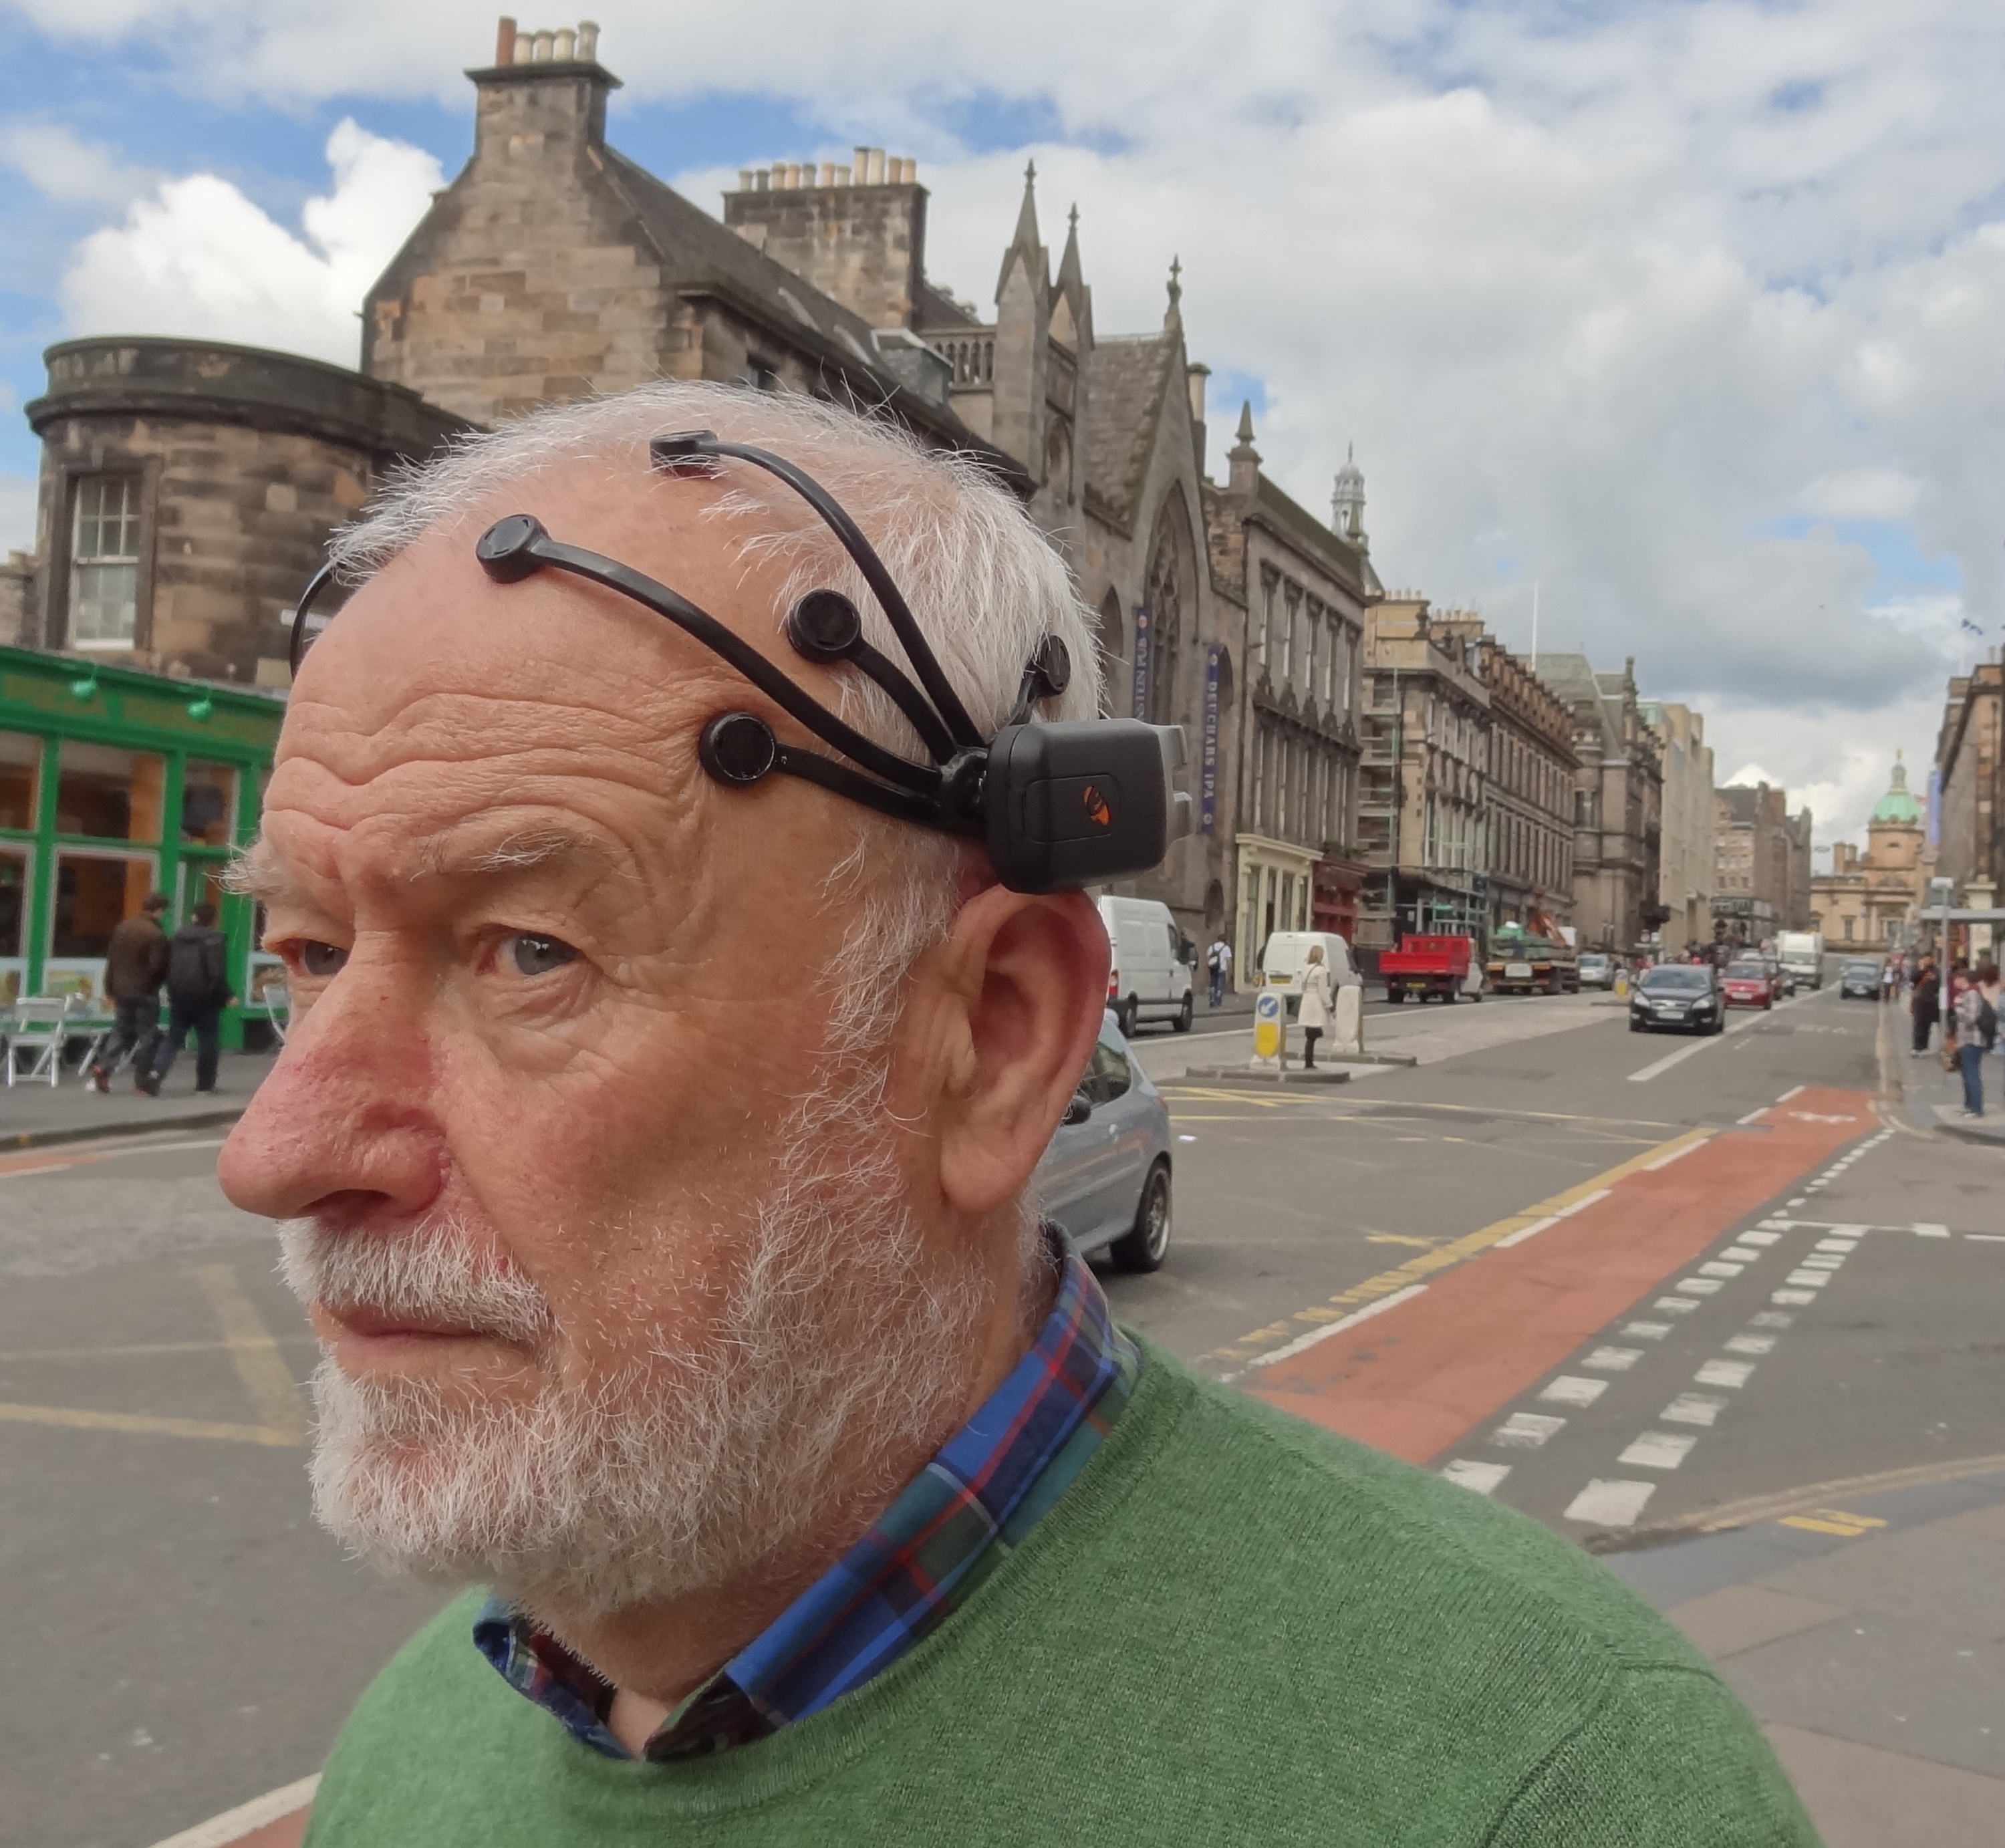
(1623, 1284)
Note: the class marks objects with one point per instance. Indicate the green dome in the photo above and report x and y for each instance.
(1897, 805)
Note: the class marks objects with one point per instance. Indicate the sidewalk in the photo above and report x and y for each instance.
(1864, 1626)
(35, 1116)
(1931, 1098)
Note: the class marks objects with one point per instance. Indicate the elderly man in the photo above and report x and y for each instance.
(653, 1154)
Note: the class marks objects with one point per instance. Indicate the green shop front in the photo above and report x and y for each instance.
(114, 784)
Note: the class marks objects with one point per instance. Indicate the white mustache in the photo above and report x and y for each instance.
(432, 1272)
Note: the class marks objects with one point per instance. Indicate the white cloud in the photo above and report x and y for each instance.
(196, 258)
(61, 165)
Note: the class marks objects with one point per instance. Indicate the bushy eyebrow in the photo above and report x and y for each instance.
(259, 872)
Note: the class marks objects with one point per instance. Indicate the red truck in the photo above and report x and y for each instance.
(1427, 966)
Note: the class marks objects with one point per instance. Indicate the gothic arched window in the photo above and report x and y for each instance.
(1165, 597)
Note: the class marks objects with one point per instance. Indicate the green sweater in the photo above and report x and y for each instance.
(1233, 1627)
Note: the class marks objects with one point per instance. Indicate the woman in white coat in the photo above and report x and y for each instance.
(1317, 1000)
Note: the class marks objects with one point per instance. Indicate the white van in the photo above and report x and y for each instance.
(1150, 979)
(1287, 955)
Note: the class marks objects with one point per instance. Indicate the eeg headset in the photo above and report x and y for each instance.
(1058, 804)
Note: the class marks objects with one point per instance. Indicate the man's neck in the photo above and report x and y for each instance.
(654, 1654)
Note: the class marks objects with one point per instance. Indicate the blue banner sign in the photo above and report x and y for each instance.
(1142, 626)
(1207, 800)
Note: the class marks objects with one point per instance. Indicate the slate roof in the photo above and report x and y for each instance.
(1128, 374)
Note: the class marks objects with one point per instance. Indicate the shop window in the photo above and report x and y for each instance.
(111, 794)
(208, 804)
(93, 892)
(198, 882)
(19, 756)
(104, 562)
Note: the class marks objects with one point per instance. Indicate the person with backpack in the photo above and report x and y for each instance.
(198, 991)
(1218, 960)
(135, 965)
(1974, 1021)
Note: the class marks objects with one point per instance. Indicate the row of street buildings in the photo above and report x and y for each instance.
(1370, 765)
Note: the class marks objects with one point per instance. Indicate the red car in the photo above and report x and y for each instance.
(1748, 984)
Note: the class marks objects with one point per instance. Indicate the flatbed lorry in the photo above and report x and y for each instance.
(1520, 963)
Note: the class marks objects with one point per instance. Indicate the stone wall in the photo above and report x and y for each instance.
(862, 245)
(18, 626)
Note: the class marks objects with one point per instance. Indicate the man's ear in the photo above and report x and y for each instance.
(1007, 1015)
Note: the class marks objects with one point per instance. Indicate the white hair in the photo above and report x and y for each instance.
(984, 585)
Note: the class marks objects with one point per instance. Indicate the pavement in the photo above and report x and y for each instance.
(46, 1116)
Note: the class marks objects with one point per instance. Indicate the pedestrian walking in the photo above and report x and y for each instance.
(1974, 1022)
(1218, 960)
(1924, 1005)
(135, 965)
(1991, 989)
(1317, 1000)
(198, 991)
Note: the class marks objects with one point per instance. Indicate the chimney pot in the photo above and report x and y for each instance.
(842, 176)
(504, 41)
(588, 41)
(876, 166)
(744, 179)
(565, 44)
(524, 47)
(546, 43)
(762, 177)
(828, 173)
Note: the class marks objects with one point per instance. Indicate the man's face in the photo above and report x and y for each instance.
(546, 1112)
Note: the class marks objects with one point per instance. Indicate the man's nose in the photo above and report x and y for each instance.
(345, 1117)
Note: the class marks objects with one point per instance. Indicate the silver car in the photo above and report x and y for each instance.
(1104, 1181)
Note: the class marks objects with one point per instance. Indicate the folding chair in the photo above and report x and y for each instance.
(35, 1027)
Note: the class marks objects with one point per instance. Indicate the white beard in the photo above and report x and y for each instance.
(713, 1443)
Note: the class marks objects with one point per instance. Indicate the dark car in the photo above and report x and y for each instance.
(1685, 996)
(1859, 981)
(1749, 983)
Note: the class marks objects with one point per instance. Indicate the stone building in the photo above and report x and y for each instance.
(18, 624)
(1970, 787)
(1424, 797)
(1301, 593)
(186, 489)
(1618, 804)
(1869, 899)
(1687, 857)
(1527, 828)
(1761, 864)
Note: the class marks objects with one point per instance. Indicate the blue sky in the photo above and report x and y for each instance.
(1687, 312)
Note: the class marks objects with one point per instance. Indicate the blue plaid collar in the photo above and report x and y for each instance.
(989, 1485)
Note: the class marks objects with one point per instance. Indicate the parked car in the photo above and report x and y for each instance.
(1781, 983)
(1150, 977)
(1685, 996)
(1104, 1180)
(1749, 983)
(1597, 969)
(1286, 954)
(1859, 981)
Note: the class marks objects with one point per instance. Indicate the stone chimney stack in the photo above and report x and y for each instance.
(544, 96)
(856, 232)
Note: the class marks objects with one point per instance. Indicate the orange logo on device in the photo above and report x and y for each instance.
(1096, 810)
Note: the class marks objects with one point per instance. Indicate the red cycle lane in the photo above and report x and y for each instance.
(1418, 1377)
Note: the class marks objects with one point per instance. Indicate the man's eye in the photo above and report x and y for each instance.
(322, 960)
(535, 955)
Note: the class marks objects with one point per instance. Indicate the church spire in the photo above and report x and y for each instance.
(1071, 274)
(1174, 316)
(1027, 246)
(1242, 460)
(1346, 501)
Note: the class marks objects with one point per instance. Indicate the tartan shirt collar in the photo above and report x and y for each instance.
(991, 1483)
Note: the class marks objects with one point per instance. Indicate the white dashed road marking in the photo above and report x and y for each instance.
(1693, 1408)
(1658, 1450)
(1570, 1389)
(1483, 1477)
(1605, 1504)
(1526, 1430)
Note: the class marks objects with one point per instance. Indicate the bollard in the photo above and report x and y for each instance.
(1270, 1031)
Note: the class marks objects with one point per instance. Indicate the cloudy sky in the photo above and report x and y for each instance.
(1691, 316)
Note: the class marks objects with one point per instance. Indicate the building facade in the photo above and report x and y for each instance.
(1526, 833)
(1424, 797)
(1761, 864)
(1870, 900)
(1687, 857)
(1301, 593)
(186, 489)
(1618, 804)
(1970, 787)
